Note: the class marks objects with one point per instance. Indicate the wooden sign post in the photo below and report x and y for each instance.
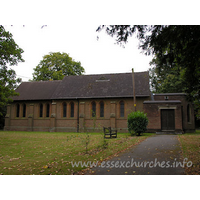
(134, 98)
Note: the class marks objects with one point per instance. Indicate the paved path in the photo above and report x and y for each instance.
(159, 149)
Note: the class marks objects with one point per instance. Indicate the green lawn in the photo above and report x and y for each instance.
(52, 153)
(191, 149)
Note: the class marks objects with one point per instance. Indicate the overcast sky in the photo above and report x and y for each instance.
(80, 42)
(71, 28)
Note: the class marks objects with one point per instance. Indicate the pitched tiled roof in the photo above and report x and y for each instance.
(37, 90)
(87, 86)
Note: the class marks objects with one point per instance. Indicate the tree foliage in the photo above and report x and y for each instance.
(176, 55)
(164, 80)
(123, 32)
(8, 84)
(55, 66)
(10, 53)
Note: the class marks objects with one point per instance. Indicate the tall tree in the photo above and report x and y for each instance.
(55, 66)
(176, 49)
(11, 54)
(165, 80)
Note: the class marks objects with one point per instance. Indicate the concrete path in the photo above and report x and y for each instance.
(157, 155)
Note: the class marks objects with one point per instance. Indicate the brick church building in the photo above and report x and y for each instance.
(91, 102)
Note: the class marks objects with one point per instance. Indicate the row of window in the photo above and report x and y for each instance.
(47, 110)
(71, 109)
(101, 109)
(40, 110)
(64, 110)
(18, 109)
(93, 104)
(101, 104)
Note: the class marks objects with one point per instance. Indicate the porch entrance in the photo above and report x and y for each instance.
(167, 120)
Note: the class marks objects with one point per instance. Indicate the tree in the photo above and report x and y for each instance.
(8, 84)
(10, 53)
(55, 66)
(175, 49)
(165, 80)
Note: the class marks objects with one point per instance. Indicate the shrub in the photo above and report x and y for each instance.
(137, 122)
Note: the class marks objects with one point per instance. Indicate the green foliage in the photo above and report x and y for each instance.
(10, 53)
(176, 51)
(166, 80)
(137, 122)
(55, 66)
(8, 83)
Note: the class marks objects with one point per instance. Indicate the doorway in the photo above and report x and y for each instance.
(168, 120)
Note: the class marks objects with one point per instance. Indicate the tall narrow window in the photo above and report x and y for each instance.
(64, 109)
(188, 113)
(101, 109)
(41, 110)
(121, 109)
(72, 110)
(93, 109)
(17, 110)
(24, 110)
(47, 110)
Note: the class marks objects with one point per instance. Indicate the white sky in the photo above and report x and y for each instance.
(71, 28)
(80, 42)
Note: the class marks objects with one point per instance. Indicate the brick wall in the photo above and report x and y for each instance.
(82, 119)
(182, 123)
(188, 125)
(153, 111)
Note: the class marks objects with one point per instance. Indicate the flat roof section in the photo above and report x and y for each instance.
(166, 101)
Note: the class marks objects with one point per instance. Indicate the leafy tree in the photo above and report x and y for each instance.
(176, 51)
(8, 84)
(164, 80)
(10, 53)
(137, 122)
(55, 66)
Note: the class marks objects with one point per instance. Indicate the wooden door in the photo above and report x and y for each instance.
(167, 120)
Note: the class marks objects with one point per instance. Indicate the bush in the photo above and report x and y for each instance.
(137, 122)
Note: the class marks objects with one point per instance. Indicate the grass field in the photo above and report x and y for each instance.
(191, 149)
(52, 153)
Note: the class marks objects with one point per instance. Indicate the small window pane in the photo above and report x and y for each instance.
(121, 109)
(101, 109)
(17, 111)
(41, 110)
(24, 110)
(93, 109)
(64, 110)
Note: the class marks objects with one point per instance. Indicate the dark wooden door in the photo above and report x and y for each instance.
(167, 119)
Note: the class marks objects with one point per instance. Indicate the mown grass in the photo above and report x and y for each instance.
(52, 153)
(191, 150)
